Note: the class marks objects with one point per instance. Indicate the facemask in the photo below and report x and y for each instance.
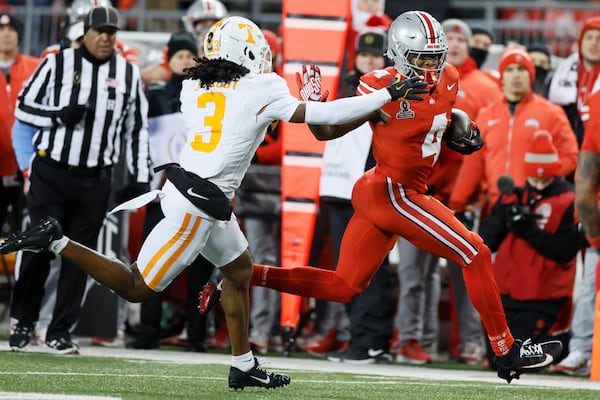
(478, 55)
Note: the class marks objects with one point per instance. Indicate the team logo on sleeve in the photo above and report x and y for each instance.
(405, 111)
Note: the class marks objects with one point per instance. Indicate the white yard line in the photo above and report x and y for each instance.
(41, 396)
(303, 364)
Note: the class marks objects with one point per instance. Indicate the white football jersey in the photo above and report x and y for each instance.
(226, 123)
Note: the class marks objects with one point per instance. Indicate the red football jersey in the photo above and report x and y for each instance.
(591, 140)
(407, 147)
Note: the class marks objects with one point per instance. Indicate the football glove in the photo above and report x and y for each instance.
(408, 89)
(309, 84)
(469, 143)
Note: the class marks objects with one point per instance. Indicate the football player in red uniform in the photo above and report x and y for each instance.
(390, 200)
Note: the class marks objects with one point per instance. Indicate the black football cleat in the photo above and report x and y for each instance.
(208, 297)
(35, 239)
(527, 357)
(21, 337)
(256, 376)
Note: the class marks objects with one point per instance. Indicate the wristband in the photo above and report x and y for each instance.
(593, 241)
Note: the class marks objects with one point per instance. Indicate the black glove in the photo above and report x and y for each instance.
(467, 217)
(467, 145)
(407, 89)
(71, 115)
(517, 217)
(130, 191)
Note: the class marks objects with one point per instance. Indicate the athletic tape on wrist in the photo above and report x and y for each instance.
(58, 245)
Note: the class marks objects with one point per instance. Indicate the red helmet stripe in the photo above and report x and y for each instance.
(426, 20)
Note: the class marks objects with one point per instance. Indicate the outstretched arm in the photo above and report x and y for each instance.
(328, 132)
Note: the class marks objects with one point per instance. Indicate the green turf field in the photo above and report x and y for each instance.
(82, 376)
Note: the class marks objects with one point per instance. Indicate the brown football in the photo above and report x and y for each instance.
(460, 126)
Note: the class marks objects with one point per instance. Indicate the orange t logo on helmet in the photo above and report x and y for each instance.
(248, 27)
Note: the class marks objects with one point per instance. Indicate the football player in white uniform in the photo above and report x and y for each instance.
(227, 104)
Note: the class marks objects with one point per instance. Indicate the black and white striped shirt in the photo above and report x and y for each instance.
(117, 111)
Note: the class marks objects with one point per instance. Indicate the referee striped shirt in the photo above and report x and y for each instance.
(116, 111)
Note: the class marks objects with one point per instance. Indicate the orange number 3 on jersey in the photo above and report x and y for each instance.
(213, 121)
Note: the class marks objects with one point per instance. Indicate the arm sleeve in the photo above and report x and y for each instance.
(345, 110)
(31, 107)
(22, 140)
(493, 229)
(136, 133)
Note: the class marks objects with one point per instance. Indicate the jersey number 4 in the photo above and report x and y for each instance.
(213, 121)
(432, 145)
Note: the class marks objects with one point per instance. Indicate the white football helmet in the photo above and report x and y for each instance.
(239, 40)
(201, 10)
(80, 8)
(414, 35)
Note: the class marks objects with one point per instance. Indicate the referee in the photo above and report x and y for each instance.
(86, 105)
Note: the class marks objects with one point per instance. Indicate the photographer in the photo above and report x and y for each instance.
(534, 234)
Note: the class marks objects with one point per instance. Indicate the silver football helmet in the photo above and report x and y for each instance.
(201, 10)
(417, 46)
(239, 40)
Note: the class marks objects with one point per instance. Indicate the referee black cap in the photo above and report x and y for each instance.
(101, 17)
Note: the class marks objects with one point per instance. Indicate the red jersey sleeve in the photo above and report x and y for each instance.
(591, 140)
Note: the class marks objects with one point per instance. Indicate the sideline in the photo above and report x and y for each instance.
(302, 364)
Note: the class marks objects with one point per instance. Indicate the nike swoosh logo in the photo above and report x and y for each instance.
(450, 87)
(265, 381)
(375, 353)
(493, 122)
(547, 361)
(191, 193)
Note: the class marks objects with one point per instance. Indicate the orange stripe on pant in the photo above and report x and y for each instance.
(167, 246)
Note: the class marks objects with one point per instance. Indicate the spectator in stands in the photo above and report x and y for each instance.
(366, 14)
(542, 59)
(577, 77)
(578, 361)
(479, 45)
(533, 231)
(199, 17)
(574, 82)
(507, 126)
(15, 70)
(371, 314)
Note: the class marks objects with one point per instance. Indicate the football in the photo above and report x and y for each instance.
(460, 126)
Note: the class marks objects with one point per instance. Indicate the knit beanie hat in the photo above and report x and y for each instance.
(372, 41)
(516, 55)
(7, 19)
(457, 26)
(181, 41)
(541, 158)
(475, 30)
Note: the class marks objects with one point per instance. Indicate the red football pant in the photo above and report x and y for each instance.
(383, 211)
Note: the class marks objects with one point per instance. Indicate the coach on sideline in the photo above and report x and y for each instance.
(83, 103)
